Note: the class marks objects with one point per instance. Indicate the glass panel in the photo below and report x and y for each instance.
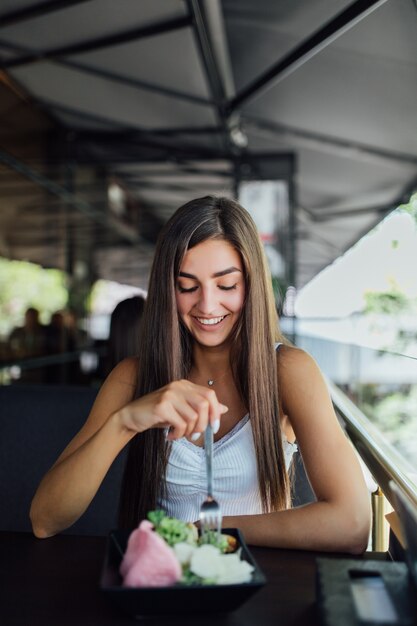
(382, 383)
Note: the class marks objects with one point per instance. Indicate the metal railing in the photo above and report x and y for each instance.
(383, 461)
(61, 359)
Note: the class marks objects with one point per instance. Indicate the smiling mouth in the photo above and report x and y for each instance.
(212, 321)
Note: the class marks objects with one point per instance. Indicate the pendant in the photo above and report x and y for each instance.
(210, 382)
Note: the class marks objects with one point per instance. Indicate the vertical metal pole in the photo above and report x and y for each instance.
(69, 255)
(292, 225)
(379, 534)
(292, 243)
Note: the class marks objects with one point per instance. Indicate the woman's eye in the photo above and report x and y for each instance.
(184, 290)
(227, 288)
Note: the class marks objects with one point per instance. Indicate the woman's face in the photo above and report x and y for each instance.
(210, 291)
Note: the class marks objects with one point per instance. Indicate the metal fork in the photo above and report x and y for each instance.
(210, 513)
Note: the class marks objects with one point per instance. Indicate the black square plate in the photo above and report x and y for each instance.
(177, 599)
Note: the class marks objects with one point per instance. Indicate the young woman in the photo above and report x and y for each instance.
(211, 352)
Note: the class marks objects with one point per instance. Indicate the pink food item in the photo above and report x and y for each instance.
(148, 560)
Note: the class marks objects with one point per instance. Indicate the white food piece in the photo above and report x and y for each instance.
(235, 571)
(183, 552)
(224, 569)
(206, 561)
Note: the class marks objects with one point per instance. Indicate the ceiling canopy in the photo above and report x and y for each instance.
(114, 114)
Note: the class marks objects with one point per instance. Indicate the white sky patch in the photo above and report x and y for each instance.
(385, 255)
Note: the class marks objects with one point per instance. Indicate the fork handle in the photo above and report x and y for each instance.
(208, 447)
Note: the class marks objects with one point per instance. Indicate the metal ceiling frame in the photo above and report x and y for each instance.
(112, 76)
(403, 198)
(48, 105)
(138, 84)
(159, 150)
(133, 34)
(351, 212)
(155, 141)
(341, 146)
(227, 109)
(37, 10)
(214, 77)
(187, 130)
(305, 51)
(183, 169)
(132, 136)
(205, 47)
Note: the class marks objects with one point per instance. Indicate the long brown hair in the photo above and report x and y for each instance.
(166, 352)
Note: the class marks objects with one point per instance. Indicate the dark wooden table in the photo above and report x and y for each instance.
(55, 582)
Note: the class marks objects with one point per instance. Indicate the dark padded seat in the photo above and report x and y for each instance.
(36, 423)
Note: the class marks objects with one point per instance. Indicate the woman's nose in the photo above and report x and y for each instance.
(207, 303)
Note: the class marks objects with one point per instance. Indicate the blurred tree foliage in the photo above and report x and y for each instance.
(24, 285)
(388, 302)
(279, 286)
(410, 207)
(393, 300)
(394, 411)
(395, 416)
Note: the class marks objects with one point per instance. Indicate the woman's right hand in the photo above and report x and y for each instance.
(182, 406)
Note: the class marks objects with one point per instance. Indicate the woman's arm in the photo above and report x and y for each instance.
(70, 485)
(340, 519)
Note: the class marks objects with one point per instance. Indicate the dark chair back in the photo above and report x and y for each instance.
(36, 423)
(301, 490)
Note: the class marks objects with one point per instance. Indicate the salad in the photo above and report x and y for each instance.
(165, 551)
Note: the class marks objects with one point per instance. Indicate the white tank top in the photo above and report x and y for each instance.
(235, 475)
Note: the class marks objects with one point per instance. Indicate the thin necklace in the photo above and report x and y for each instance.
(211, 381)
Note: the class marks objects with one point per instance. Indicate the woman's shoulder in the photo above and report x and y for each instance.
(299, 378)
(125, 372)
(119, 387)
(295, 364)
(289, 353)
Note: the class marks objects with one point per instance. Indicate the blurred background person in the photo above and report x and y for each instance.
(55, 334)
(27, 342)
(55, 344)
(63, 343)
(125, 325)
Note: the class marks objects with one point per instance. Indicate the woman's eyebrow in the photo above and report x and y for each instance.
(229, 270)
